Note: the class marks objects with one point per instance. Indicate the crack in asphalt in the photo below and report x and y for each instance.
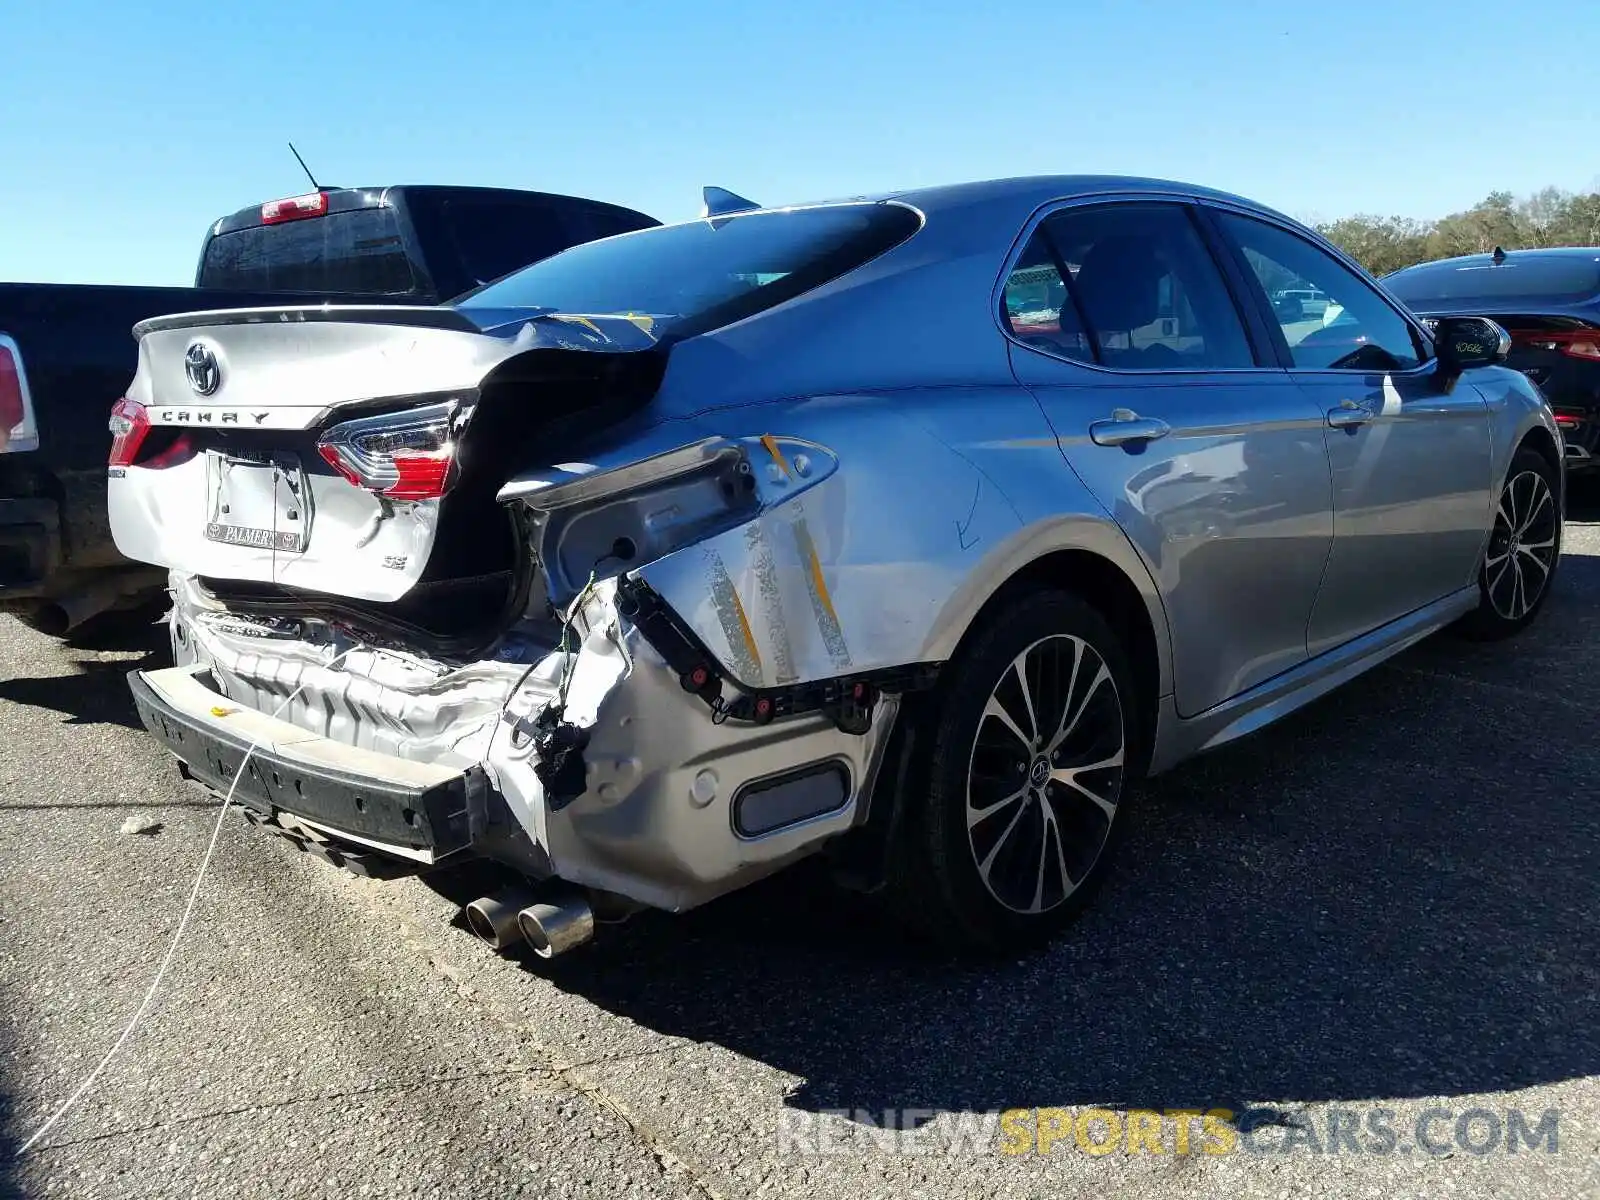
(265, 1106)
(669, 1157)
(395, 1088)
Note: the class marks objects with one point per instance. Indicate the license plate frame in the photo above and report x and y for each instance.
(260, 502)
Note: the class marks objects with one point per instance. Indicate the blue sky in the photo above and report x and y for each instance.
(126, 129)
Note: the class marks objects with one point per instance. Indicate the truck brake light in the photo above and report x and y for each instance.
(405, 456)
(17, 428)
(295, 208)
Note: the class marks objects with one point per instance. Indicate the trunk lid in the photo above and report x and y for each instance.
(311, 448)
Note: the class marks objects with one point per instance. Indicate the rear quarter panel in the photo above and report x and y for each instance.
(950, 479)
(1516, 409)
(939, 496)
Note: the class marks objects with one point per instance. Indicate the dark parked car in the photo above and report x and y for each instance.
(67, 351)
(1549, 301)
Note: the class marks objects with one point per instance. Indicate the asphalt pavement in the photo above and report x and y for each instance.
(1380, 915)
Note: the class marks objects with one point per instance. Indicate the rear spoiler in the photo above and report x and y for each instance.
(422, 316)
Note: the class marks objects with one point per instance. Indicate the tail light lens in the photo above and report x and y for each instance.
(405, 456)
(1577, 343)
(611, 519)
(130, 425)
(17, 428)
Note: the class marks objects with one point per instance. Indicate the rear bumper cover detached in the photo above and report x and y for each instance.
(671, 804)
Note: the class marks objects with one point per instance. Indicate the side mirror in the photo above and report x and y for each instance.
(1463, 343)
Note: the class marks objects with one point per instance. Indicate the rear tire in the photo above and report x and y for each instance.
(1524, 550)
(1034, 735)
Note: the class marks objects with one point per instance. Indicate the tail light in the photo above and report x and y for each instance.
(1569, 420)
(295, 208)
(633, 514)
(130, 425)
(130, 438)
(1576, 343)
(17, 428)
(404, 456)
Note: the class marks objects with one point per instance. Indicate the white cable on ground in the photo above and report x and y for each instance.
(177, 936)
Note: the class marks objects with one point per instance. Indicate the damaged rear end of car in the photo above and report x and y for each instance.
(420, 567)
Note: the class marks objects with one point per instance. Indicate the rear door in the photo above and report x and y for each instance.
(1163, 401)
(1412, 461)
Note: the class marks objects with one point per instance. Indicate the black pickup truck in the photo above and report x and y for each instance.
(67, 351)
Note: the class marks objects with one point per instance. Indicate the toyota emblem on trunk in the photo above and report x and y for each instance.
(201, 366)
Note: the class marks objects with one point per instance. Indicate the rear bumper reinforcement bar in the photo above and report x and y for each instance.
(418, 811)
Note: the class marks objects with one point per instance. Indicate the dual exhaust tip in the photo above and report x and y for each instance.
(550, 926)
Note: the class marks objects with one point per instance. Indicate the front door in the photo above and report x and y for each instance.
(1412, 460)
(1211, 461)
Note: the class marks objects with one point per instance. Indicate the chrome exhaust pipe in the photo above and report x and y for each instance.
(1577, 452)
(556, 925)
(494, 918)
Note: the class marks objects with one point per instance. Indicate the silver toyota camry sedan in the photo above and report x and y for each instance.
(912, 529)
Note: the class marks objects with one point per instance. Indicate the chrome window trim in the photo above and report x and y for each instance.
(1180, 197)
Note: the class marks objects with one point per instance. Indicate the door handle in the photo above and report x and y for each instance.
(1126, 426)
(1350, 415)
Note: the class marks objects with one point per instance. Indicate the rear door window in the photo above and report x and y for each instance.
(1037, 307)
(1133, 286)
(361, 250)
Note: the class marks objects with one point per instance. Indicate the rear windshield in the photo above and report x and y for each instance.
(704, 274)
(1515, 281)
(492, 237)
(356, 251)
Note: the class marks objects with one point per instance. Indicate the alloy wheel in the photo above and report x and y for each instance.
(1522, 548)
(1046, 774)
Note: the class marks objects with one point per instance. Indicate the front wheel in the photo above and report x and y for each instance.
(1524, 549)
(1033, 739)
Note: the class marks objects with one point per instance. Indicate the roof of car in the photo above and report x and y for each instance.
(1034, 190)
(1471, 260)
(1047, 187)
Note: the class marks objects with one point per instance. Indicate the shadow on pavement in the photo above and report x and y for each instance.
(137, 630)
(12, 1134)
(95, 693)
(1390, 894)
(1583, 496)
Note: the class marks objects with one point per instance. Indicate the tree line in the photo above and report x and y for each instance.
(1551, 217)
